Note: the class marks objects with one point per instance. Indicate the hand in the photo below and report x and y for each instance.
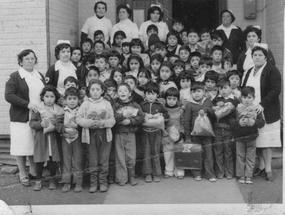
(250, 122)
(44, 123)
(126, 122)
(201, 112)
(50, 128)
(243, 122)
(33, 107)
(259, 109)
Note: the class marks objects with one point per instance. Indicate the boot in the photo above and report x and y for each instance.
(131, 175)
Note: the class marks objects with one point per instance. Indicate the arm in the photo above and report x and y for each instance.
(110, 121)
(80, 117)
(139, 119)
(35, 121)
(260, 121)
(187, 121)
(59, 124)
(50, 76)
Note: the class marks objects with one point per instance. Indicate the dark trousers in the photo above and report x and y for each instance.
(245, 157)
(72, 154)
(207, 156)
(51, 165)
(125, 150)
(223, 151)
(139, 153)
(112, 162)
(152, 143)
(99, 153)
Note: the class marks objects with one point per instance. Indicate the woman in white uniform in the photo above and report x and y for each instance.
(266, 80)
(22, 91)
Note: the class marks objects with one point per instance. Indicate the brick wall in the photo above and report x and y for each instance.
(22, 26)
(63, 23)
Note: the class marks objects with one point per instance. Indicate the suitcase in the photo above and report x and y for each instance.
(188, 156)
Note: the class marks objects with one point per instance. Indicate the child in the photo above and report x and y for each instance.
(185, 80)
(101, 64)
(114, 59)
(71, 144)
(92, 74)
(205, 65)
(99, 35)
(234, 79)
(111, 90)
(184, 37)
(117, 75)
(132, 82)
(177, 26)
(211, 80)
(194, 61)
(125, 53)
(224, 106)
(155, 63)
(174, 128)
(217, 57)
(178, 67)
(206, 43)
(70, 81)
(143, 78)
(86, 46)
(45, 137)
(99, 47)
(217, 39)
(227, 64)
(152, 136)
(160, 48)
(193, 38)
(90, 61)
(173, 43)
(128, 116)
(134, 64)
(153, 39)
(248, 121)
(137, 47)
(76, 54)
(96, 117)
(151, 30)
(119, 36)
(184, 54)
(200, 106)
(172, 58)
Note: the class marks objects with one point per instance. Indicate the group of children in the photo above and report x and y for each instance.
(127, 104)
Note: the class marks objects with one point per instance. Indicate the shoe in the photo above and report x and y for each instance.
(52, 185)
(133, 181)
(38, 186)
(156, 178)
(93, 189)
(32, 177)
(167, 176)
(229, 177)
(25, 181)
(180, 177)
(77, 188)
(66, 188)
(103, 188)
(198, 178)
(148, 179)
(269, 176)
(241, 180)
(220, 176)
(259, 172)
(212, 179)
(248, 180)
(111, 180)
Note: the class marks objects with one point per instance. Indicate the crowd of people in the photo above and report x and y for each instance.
(128, 95)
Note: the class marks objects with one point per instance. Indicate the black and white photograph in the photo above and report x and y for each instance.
(141, 106)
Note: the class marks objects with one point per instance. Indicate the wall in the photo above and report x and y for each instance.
(28, 31)
(63, 23)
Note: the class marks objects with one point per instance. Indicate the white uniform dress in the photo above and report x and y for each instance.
(22, 140)
(162, 30)
(269, 135)
(128, 27)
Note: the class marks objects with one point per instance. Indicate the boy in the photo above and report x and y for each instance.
(99, 47)
(178, 67)
(132, 82)
(211, 80)
(160, 48)
(71, 144)
(184, 37)
(217, 57)
(153, 39)
(152, 136)
(178, 26)
(185, 80)
(234, 79)
(99, 35)
(151, 30)
(193, 38)
(248, 121)
(194, 61)
(101, 64)
(206, 42)
(217, 39)
(114, 59)
(125, 53)
(205, 65)
(224, 106)
(70, 81)
(86, 46)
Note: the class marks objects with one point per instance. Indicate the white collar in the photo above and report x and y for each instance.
(25, 74)
(69, 109)
(231, 96)
(222, 27)
(60, 65)
(125, 21)
(199, 103)
(248, 51)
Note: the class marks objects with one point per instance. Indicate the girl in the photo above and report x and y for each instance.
(155, 63)
(46, 138)
(143, 78)
(117, 75)
(184, 54)
(137, 47)
(96, 117)
(76, 54)
(119, 36)
(173, 43)
(92, 74)
(134, 64)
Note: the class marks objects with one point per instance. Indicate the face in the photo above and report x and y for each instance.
(118, 77)
(92, 75)
(123, 14)
(225, 91)
(178, 70)
(195, 62)
(64, 55)
(100, 37)
(227, 65)
(113, 61)
(151, 96)
(100, 10)
(111, 91)
(134, 65)
(178, 27)
(142, 79)
(70, 84)
(151, 31)
(72, 101)
(217, 56)
(136, 49)
(161, 51)
(123, 93)
(203, 68)
(217, 41)
(131, 83)
(118, 40)
(184, 83)
(234, 81)
(28, 62)
(206, 37)
(247, 100)
(49, 98)
(100, 64)
(172, 40)
(86, 47)
(155, 16)
(98, 48)
(171, 101)
(198, 94)
(184, 37)
(165, 73)
(226, 18)
(258, 58)
(95, 91)
(210, 84)
(76, 56)
(193, 38)
(126, 49)
(252, 38)
(184, 55)
(155, 64)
